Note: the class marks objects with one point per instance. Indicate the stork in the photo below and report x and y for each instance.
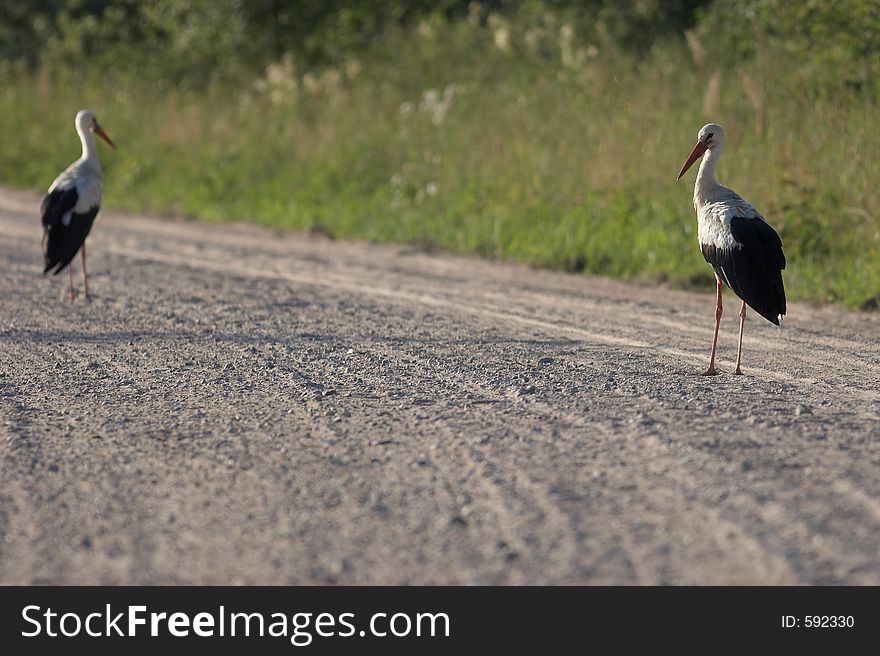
(740, 245)
(72, 203)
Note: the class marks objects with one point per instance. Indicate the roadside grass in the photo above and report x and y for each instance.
(536, 150)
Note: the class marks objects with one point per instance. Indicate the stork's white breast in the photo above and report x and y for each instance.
(88, 190)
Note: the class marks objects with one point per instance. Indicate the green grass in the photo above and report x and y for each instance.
(553, 154)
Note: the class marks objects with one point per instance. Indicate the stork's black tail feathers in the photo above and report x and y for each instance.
(61, 243)
(768, 300)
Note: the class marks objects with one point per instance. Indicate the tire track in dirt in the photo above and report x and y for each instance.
(467, 474)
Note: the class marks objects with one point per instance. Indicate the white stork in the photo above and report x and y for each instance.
(743, 249)
(73, 201)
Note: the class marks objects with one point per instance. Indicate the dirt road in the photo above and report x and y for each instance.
(240, 406)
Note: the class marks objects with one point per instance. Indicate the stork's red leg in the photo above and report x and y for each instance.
(85, 275)
(70, 281)
(712, 371)
(742, 324)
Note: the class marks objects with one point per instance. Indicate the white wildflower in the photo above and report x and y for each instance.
(279, 81)
(311, 83)
(567, 51)
(437, 104)
(502, 39)
(430, 97)
(500, 30)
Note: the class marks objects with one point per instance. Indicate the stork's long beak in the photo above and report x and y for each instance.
(696, 153)
(100, 132)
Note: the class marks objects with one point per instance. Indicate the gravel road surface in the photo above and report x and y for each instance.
(236, 405)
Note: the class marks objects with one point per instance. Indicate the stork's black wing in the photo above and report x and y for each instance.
(56, 204)
(754, 270)
(61, 242)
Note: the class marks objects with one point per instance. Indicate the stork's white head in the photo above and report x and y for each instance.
(85, 120)
(710, 136)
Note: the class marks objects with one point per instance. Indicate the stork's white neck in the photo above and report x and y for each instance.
(89, 152)
(707, 186)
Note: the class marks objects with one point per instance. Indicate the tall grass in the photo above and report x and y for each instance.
(510, 141)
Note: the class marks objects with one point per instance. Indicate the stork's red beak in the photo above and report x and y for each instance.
(696, 153)
(100, 132)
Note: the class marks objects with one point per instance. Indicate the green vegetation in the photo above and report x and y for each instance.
(548, 133)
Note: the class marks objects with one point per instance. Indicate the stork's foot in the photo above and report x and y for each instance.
(738, 371)
(711, 371)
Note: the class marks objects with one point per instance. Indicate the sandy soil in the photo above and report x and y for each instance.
(240, 406)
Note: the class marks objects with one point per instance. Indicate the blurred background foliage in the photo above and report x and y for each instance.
(190, 37)
(543, 131)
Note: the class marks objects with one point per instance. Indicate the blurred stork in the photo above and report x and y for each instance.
(72, 203)
(739, 243)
